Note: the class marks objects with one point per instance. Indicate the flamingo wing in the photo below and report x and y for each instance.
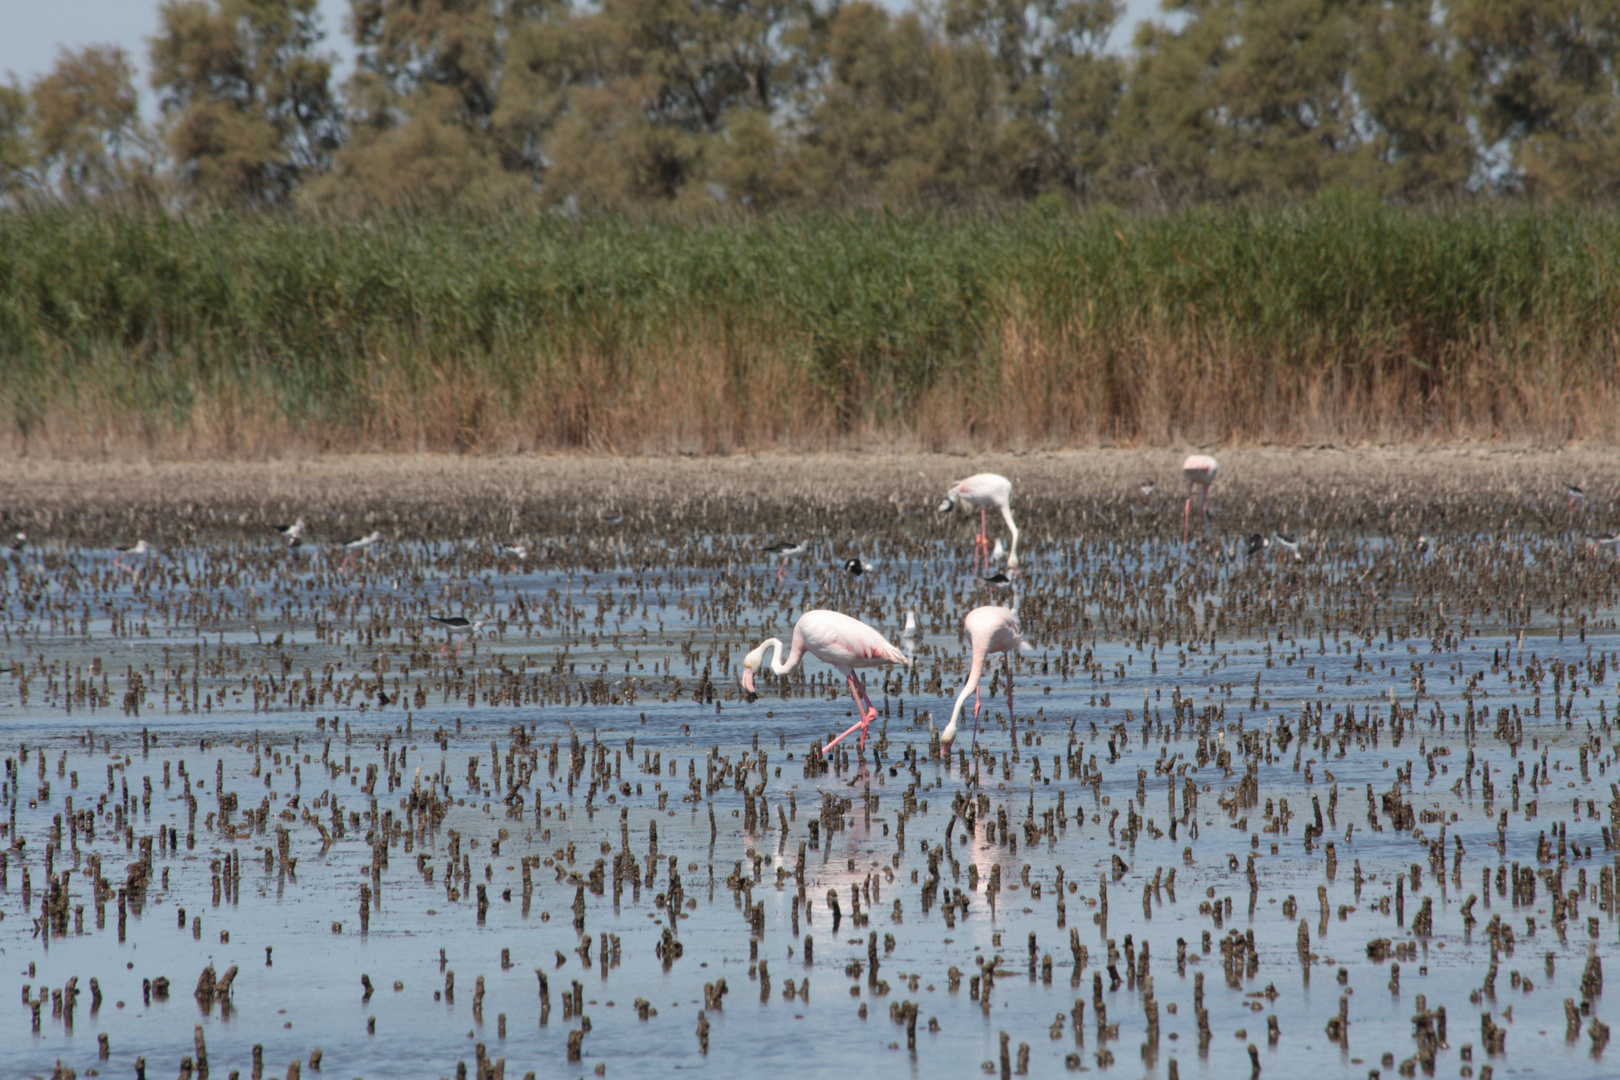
(843, 642)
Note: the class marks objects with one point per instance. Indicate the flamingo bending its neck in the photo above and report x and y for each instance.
(982, 492)
(990, 629)
(1199, 469)
(839, 641)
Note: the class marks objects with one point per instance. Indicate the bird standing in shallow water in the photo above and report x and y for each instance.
(839, 641)
(785, 551)
(982, 492)
(359, 544)
(458, 628)
(135, 550)
(1199, 469)
(990, 629)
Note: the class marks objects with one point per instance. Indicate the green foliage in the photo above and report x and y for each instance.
(86, 133)
(248, 105)
(861, 317)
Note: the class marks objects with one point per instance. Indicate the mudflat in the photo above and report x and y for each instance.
(341, 483)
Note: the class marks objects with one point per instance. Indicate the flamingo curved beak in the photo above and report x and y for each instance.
(748, 682)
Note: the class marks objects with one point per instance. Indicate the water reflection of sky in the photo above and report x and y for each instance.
(218, 614)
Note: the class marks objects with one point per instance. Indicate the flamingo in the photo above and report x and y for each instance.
(837, 640)
(982, 492)
(1199, 469)
(990, 629)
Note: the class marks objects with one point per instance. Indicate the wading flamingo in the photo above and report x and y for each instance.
(990, 629)
(837, 640)
(1199, 469)
(982, 492)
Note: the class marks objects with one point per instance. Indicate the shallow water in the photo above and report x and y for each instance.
(1156, 669)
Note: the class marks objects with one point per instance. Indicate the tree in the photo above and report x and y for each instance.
(1417, 143)
(1544, 82)
(1248, 98)
(85, 129)
(16, 155)
(1056, 86)
(421, 104)
(248, 101)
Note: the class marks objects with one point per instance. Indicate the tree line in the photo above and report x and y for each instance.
(690, 105)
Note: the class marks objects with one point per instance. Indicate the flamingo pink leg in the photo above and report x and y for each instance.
(983, 544)
(864, 706)
(1186, 516)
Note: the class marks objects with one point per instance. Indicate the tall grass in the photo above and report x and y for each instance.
(1335, 320)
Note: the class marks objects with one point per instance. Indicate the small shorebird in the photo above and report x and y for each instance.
(293, 534)
(1147, 487)
(1595, 544)
(458, 628)
(1287, 543)
(19, 541)
(359, 544)
(1575, 495)
(983, 492)
(855, 567)
(1199, 469)
(1256, 544)
(785, 551)
(519, 552)
(137, 549)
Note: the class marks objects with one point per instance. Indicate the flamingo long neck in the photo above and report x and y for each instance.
(784, 667)
(1012, 550)
(972, 684)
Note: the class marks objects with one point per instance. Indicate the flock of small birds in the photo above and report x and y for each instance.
(594, 815)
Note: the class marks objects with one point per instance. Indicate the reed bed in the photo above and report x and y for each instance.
(1336, 320)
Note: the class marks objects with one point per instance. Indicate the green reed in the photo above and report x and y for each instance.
(147, 322)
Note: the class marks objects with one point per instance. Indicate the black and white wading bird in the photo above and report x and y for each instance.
(788, 549)
(458, 628)
(359, 544)
(139, 549)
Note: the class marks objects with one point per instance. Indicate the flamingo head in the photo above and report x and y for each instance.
(946, 738)
(751, 664)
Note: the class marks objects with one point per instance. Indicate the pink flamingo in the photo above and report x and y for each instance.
(834, 639)
(990, 629)
(982, 492)
(1199, 469)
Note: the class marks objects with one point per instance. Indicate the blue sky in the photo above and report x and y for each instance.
(33, 32)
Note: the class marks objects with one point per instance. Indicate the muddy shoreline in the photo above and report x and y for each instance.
(40, 491)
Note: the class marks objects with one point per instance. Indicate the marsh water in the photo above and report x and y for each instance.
(1348, 813)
